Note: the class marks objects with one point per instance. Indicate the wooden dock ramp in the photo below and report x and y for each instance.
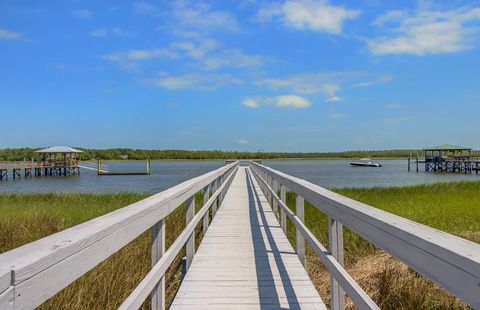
(245, 260)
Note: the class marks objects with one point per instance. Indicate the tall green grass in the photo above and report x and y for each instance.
(28, 217)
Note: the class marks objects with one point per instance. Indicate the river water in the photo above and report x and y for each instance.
(326, 173)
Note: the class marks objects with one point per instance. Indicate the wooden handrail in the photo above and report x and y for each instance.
(141, 292)
(32, 273)
(356, 293)
(450, 261)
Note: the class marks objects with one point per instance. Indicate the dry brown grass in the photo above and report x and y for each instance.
(390, 283)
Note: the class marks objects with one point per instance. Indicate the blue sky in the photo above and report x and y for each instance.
(296, 75)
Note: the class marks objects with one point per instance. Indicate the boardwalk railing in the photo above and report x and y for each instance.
(451, 262)
(31, 274)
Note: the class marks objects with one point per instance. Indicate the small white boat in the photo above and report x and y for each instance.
(365, 164)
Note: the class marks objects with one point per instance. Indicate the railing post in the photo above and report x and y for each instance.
(275, 204)
(214, 206)
(190, 246)
(269, 195)
(335, 239)
(300, 207)
(283, 215)
(206, 196)
(158, 249)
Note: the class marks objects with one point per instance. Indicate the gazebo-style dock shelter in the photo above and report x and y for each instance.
(58, 161)
(450, 158)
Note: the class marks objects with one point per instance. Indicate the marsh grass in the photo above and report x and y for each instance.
(452, 207)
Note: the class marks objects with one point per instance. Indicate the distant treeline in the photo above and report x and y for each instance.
(122, 153)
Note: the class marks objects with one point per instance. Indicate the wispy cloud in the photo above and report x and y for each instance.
(103, 32)
(426, 31)
(196, 18)
(318, 15)
(334, 99)
(337, 115)
(326, 83)
(83, 14)
(242, 141)
(143, 7)
(288, 101)
(232, 58)
(98, 33)
(9, 35)
(205, 54)
(395, 120)
(380, 80)
(394, 106)
(194, 81)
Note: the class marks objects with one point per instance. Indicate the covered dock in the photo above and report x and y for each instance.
(451, 159)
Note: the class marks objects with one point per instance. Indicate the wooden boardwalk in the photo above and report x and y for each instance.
(245, 260)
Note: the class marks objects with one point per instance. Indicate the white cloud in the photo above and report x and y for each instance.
(334, 99)
(312, 15)
(194, 81)
(310, 83)
(195, 17)
(232, 58)
(9, 35)
(363, 84)
(242, 141)
(98, 33)
(251, 103)
(427, 31)
(287, 101)
(82, 14)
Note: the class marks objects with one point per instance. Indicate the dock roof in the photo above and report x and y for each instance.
(59, 149)
(448, 147)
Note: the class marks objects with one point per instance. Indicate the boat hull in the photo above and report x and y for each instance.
(359, 164)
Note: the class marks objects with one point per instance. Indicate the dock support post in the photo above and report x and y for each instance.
(300, 210)
(335, 238)
(283, 216)
(189, 214)
(409, 162)
(206, 196)
(417, 161)
(158, 249)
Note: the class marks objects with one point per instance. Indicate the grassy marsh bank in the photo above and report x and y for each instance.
(453, 207)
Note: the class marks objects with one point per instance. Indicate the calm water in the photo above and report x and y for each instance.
(326, 173)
